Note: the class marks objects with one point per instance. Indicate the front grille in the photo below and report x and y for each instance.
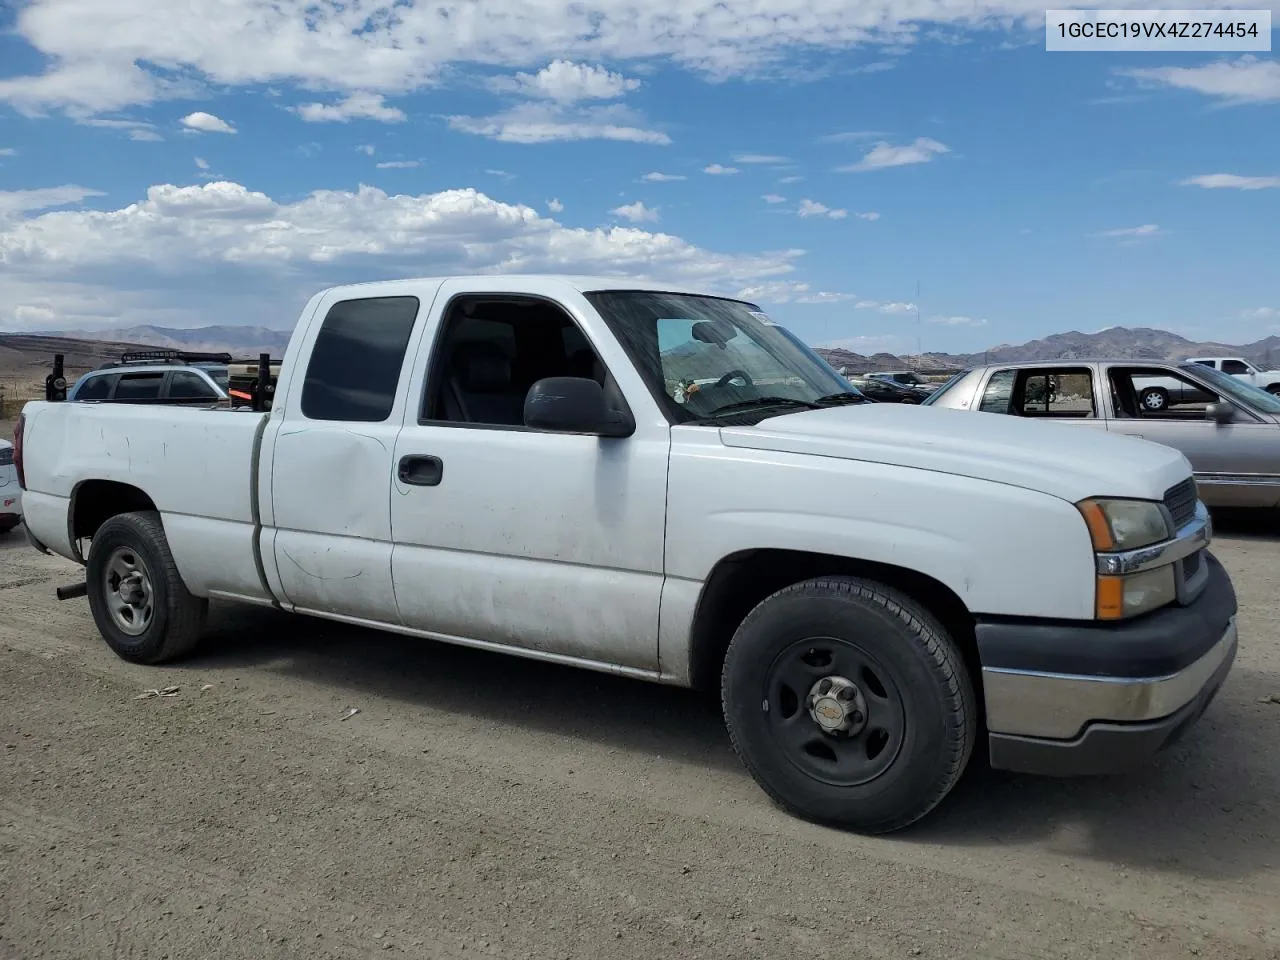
(1180, 500)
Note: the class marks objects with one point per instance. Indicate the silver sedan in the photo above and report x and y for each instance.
(1229, 430)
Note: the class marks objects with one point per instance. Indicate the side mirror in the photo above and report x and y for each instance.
(574, 405)
(1220, 412)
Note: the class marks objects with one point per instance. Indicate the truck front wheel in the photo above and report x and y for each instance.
(849, 704)
(139, 602)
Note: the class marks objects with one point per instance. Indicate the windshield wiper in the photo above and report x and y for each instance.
(757, 402)
(832, 399)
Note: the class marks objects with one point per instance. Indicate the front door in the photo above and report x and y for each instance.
(1235, 464)
(516, 537)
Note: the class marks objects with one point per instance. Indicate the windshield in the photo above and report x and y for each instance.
(1236, 389)
(707, 357)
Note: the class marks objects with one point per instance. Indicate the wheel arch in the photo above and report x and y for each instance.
(94, 502)
(741, 580)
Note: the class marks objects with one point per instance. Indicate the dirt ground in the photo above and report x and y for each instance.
(481, 806)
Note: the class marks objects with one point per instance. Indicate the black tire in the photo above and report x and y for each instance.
(1154, 398)
(173, 627)
(912, 661)
(7, 527)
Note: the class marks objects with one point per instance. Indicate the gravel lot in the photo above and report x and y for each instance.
(485, 806)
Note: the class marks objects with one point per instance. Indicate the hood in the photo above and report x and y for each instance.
(1067, 461)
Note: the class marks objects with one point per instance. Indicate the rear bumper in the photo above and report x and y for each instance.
(1074, 699)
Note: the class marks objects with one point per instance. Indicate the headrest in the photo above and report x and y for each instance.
(482, 365)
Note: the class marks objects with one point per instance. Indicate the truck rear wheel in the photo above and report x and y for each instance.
(139, 602)
(849, 704)
(1154, 398)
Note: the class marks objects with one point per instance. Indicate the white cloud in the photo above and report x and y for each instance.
(367, 149)
(8, 152)
(100, 55)
(569, 82)
(774, 198)
(500, 173)
(959, 321)
(202, 163)
(867, 215)
(555, 206)
(656, 177)
(206, 123)
(1145, 230)
(32, 316)
(358, 106)
(1245, 80)
(42, 198)
(811, 208)
(789, 291)
(848, 136)
(793, 179)
(877, 66)
(544, 123)
(636, 212)
(1261, 313)
(186, 255)
(716, 170)
(750, 158)
(884, 155)
(1231, 181)
(895, 307)
(398, 164)
(137, 129)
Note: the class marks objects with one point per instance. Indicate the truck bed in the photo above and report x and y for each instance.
(194, 464)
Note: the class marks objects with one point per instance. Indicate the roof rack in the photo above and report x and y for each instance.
(179, 356)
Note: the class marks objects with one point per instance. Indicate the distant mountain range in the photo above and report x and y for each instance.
(1117, 342)
(238, 341)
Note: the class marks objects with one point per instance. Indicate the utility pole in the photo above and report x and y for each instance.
(919, 340)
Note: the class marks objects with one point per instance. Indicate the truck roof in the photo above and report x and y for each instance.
(533, 282)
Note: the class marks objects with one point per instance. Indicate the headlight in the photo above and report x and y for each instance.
(1124, 524)
(1118, 598)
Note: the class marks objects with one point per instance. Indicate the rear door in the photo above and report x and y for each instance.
(332, 460)
(1236, 463)
(1066, 394)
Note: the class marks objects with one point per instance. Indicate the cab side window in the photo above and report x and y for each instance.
(1234, 366)
(355, 363)
(492, 349)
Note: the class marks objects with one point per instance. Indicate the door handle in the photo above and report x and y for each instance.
(419, 471)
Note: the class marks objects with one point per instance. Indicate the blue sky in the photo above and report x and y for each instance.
(219, 162)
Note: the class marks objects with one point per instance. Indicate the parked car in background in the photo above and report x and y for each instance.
(1268, 380)
(889, 391)
(906, 378)
(164, 377)
(10, 491)
(1228, 429)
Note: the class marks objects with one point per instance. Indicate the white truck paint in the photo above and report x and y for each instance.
(1241, 368)
(933, 542)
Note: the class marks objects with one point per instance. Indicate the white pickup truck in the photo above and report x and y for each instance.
(874, 589)
(1160, 393)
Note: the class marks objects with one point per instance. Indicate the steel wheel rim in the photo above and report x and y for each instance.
(1153, 401)
(860, 749)
(128, 592)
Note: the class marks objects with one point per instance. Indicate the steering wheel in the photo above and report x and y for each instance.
(735, 375)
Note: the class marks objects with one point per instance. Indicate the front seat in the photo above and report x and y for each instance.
(480, 385)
